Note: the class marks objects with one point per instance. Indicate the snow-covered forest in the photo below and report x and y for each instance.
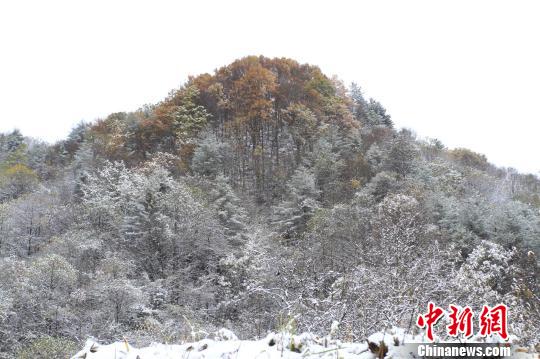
(265, 196)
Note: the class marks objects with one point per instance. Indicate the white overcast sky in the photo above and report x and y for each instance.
(466, 72)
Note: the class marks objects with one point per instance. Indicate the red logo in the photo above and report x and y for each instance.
(491, 321)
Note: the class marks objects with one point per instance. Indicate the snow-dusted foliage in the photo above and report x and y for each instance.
(294, 213)
(265, 198)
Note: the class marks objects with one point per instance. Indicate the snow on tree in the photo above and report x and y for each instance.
(211, 156)
(230, 212)
(293, 214)
(263, 197)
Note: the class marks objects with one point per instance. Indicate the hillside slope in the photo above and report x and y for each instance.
(262, 193)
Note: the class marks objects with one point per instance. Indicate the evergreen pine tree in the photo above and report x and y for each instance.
(230, 212)
(294, 213)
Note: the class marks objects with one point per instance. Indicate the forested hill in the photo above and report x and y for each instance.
(262, 196)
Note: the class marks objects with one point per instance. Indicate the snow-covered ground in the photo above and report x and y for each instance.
(226, 345)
